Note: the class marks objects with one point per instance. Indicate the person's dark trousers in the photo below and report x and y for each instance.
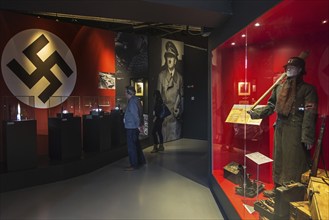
(135, 153)
(157, 131)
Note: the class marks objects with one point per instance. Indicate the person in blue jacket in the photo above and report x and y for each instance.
(134, 123)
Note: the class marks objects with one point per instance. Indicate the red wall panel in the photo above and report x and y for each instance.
(93, 51)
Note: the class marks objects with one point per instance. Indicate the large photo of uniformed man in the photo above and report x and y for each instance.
(170, 85)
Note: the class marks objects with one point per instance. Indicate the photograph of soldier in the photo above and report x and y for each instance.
(295, 103)
(170, 85)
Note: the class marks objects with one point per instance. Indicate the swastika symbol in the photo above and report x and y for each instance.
(43, 68)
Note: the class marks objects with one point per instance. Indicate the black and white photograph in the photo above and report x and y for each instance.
(170, 85)
(106, 81)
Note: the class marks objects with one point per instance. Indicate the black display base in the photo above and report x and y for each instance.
(118, 131)
(64, 138)
(20, 144)
(290, 192)
(96, 133)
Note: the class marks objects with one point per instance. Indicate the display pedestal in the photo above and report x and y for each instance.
(96, 133)
(118, 131)
(20, 144)
(64, 136)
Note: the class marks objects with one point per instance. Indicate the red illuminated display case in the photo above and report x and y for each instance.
(243, 68)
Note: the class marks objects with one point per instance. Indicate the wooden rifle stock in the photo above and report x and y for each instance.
(269, 90)
(317, 151)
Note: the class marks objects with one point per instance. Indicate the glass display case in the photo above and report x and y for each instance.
(17, 108)
(65, 106)
(97, 105)
(244, 69)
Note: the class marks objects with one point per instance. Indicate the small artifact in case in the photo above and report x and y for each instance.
(65, 115)
(265, 208)
(289, 192)
(97, 112)
(252, 188)
(232, 172)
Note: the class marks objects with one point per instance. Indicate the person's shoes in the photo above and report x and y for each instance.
(269, 193)
(161, 148)
(155, 149)
(130, 168)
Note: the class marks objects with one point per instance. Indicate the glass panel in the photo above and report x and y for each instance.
(16, 108)
(66, 106)
(97, 104)
(244, 68)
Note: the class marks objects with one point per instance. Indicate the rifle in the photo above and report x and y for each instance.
(317, 151)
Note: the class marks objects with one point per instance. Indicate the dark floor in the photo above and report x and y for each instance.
(173, 185)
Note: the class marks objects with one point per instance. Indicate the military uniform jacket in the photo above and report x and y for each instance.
(303, 112)
(291, 158)
(171, 88)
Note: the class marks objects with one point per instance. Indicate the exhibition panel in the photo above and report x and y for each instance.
(247, 73)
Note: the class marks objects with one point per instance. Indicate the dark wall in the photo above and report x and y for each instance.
(195, 94)
(244, 11)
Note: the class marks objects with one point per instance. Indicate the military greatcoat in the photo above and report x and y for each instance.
(291, 158)
(171, 89)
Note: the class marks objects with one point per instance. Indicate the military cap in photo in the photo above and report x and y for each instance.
(171, 49)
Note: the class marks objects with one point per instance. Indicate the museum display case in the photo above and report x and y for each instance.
(17, 108)
(19, 129)
(97, 122)
(96, 133)
(64, 106)
(64, 128)
(97, 105)
(244, 68)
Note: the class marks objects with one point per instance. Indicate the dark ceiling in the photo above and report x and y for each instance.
(152, 17)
